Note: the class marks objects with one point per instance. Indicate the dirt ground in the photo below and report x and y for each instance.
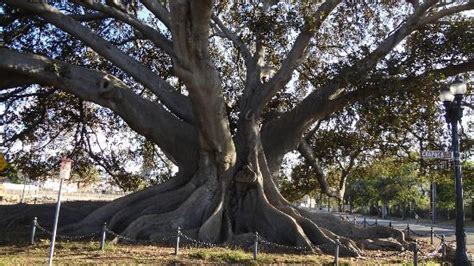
(15, 227)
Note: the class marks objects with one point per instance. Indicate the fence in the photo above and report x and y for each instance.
(259, 243)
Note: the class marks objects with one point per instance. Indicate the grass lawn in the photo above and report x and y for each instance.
(89, 253)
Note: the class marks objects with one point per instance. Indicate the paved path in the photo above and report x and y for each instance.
(421, 228)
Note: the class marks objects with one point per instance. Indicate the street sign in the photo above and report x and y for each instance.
(65, 169)
(64, 173)
(442, 165)
(445, 155)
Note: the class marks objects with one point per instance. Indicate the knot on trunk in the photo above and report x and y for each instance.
(246, 175)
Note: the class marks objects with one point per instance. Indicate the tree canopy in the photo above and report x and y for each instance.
(223, 90)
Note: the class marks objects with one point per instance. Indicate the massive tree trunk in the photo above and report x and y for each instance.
(224, 191)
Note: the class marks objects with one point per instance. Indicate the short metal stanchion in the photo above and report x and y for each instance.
(431, 235)
(390, 223)
(443, 249)
(33, 230)
(376, 221)
(178, 234)
(103, 236)
(415, 254)
(365, 222)
(355, 221)
(408, 230)
(336, 252)
(255, 246)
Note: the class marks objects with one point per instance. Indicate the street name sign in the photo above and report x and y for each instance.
(445, 155)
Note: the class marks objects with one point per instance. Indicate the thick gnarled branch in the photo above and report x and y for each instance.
(327, 98)
(148, 32)
(176, 138)
(190, 21)
(295, 57)
(159, 11)
(174, 101)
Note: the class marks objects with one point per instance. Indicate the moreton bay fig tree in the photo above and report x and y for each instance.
(222, 90)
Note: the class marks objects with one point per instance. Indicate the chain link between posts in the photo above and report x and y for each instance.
(261, 240)
(78, 237)
(131, 240)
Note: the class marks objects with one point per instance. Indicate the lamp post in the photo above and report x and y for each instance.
(452, 99)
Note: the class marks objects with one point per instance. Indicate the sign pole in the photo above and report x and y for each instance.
(55, 227)
(64, 173)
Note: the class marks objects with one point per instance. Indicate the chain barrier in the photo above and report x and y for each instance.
(436, 252)
(396, 253)
(197, 242)
(296, 248)
(78, 237)
(131, 240)
(418, 234)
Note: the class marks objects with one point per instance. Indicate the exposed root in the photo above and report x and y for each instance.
(222, 209)
(95, 219)
(188, 215)
(161, 203)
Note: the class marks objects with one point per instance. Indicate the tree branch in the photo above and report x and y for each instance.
(153, 35)
(283, 134)
(295, 57)
(174, 101)
(243, 49)
(150, 119)
(89, 17)
(159, 11)
(446, 12)
(190, 21)
(307, 153)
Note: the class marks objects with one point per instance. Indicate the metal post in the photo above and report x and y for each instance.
(365, 222)
(329, 204)
(33, 230)
(415, 254)
(355, 221)
(255, 246)
(443, 248)
(408, 230)
(431, 235)
(178, 234)
(376, 222)
(103, 237)
(390, 223)
(24, 188)
(55, 227)
(433, 203)
(461, 255)
(336, 253)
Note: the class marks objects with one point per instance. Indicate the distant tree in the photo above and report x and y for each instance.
(388, 182)
(84, 175)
